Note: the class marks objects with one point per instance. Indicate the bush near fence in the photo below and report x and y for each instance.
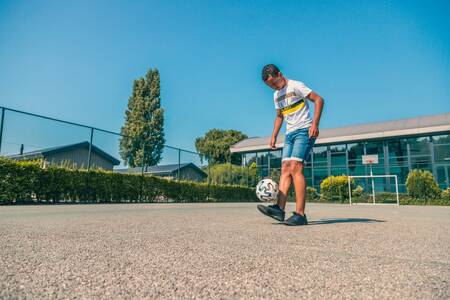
(28, 182)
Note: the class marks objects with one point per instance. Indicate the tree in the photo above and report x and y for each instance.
(215, 146)
(143, 132)
(232, 174)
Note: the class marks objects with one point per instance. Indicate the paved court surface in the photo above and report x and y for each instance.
(226, 251)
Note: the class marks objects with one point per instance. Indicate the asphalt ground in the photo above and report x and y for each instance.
(223, 251)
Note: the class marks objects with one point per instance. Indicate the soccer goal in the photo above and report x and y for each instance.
(365, 183)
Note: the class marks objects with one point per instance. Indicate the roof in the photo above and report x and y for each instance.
(161, 169)
(369, 131)
(49, 151)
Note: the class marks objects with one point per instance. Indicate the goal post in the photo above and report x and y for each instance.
(372, 177)
(370, 160)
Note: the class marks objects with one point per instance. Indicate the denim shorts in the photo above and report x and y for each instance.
(298, 145)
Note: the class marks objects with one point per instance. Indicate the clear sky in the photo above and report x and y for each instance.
(370, 60)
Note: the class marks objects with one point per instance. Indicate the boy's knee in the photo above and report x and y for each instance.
(285, 167)
(296, 167)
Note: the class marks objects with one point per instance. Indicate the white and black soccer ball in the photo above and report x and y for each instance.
(267, 190)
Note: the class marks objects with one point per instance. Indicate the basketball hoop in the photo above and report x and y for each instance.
(370, 160)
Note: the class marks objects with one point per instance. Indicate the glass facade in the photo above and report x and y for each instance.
(396, 156)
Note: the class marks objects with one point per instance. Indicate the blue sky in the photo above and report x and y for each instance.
(76, 60)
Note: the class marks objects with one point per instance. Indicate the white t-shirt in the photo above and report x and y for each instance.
(292, 102)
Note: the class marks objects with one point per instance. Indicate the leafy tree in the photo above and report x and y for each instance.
(144, 123)
(215, 146)
(232, 174)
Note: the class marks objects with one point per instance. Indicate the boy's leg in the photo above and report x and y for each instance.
(302, 145)
(300, 186)
(285, 183)
(276, 211)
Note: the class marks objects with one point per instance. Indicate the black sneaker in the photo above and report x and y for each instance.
(296, 220)
(273, 211)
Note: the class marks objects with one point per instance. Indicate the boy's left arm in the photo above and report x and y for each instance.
(318, 106)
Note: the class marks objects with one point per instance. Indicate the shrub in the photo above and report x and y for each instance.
(445, 195)
(420, 184)
(335, 188)
(27, 182)
(358, 191)
(311, 193)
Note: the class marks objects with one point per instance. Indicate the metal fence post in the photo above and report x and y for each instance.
(143, 159)
(248, 171)
(141, 196)
(1, 128)
(179, 163)
(433, 165)
(230, 174)
(209, 180)
(349, 190)
(90, 149)
(209, 173)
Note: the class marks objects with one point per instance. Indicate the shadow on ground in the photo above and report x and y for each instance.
(344, 220)
(341, 220)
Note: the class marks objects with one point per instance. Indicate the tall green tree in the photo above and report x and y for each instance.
(144, 123)
(215, 146)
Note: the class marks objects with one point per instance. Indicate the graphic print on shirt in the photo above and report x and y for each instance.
(296, 103)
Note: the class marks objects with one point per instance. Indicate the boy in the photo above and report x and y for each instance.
(301, 132)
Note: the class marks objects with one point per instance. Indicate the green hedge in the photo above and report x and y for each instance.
(27, 182)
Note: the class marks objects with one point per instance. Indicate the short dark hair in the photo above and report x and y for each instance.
(269, 70)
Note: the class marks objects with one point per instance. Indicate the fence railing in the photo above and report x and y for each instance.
(27, 136)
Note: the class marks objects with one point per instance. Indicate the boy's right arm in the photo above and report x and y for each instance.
(276, 128)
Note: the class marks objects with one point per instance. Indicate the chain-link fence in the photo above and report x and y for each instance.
(27, 136)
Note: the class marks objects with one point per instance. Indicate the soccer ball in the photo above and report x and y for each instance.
(267, 190)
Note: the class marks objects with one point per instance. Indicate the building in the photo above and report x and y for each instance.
(186, 171)
(74, 155)
(401, 145)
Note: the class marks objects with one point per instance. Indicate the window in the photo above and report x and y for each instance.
(420, 153)
(441, 145)
(249, 158)
(320, 156)
(421, 162)
(419, 146)
(397, 148)
(441, 139)
(442, 153)
(320, 173)
(355, 153)
(374, 148)
(338, 148)
(307, 172)
(338, 159)
(275, 159)
(398, 155)
(262, 159)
